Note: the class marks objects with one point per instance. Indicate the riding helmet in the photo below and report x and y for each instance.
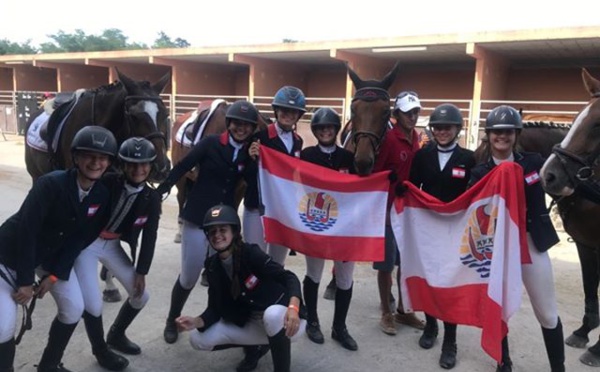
(221, 215)
(503, 117)
(242, 110)
(95, 139)
(326, 116)
(446, 114)
(137, 150)
(289, 97)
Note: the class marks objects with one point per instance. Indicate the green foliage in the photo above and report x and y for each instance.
(79, 41)
(8, 47)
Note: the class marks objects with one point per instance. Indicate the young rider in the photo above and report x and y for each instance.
(135, 209)
(62, 214)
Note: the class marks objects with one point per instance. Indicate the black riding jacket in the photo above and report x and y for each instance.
(263, 282)
(539, 224)
(218, 175)
(445, 184)
(340, 160)
(143, 215)
(52, 226)
(268, 137)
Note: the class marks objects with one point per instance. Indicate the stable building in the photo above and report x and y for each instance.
(537, 71)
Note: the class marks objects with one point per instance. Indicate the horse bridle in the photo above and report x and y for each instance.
(371, 94)
(157, 133)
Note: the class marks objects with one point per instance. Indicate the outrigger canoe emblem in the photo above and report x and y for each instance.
(478, 241)
(318, 211)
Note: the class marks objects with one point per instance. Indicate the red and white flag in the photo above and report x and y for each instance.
(321, 212)
(461, 261)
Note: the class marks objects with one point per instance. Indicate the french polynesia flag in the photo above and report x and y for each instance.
(461, 261)
(321, 212)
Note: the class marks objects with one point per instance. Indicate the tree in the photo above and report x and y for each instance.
(164, 41)
(8, 47)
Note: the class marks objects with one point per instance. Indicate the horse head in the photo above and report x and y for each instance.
(576, 160)
(370, 112)
(147, 116)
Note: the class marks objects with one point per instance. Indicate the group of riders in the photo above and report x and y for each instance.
(73, 219)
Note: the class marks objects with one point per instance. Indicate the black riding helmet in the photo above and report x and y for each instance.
(503, 117)
(326, 116)
(137, 150)
(446, 114)
(95, 139)
(221, 215)
(289, 97)
(244, 111)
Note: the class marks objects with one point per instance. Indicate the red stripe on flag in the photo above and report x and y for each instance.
(319, 177)
(339, 248)
(467, 304)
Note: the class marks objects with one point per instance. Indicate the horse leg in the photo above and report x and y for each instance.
(589, 261)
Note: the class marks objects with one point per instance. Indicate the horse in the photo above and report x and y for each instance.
(369, 117)
(128, 108)
(193, 120)
(572, 174)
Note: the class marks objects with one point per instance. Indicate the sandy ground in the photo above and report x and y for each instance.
(377, 351)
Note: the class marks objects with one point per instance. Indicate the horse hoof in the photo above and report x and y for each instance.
(177, 238)
(577, 342)
(590, 359)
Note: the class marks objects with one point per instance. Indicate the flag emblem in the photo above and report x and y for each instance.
(318, 211)
(476, 252)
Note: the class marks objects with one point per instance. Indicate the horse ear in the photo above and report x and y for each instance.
(592, 85)
(126, 80)
(358, 83)
(160, 85)
(389, 79)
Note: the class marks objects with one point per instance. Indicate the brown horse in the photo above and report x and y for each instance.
(128, 108)
(572, 173)
(369, 116)
(216, 124)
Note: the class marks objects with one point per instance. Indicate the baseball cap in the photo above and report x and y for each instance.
(406, 101)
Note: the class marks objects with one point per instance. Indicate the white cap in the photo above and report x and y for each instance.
(406, 101)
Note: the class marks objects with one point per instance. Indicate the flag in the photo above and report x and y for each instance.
(321, 212)
(461, 261)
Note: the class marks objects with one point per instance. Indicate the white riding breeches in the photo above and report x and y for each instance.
(252, 228)
(254, 332)
(344, 271)
(111, 254)
(278, 253)
(538, 280)
(8, 306)
(68, 297)
(194, 248)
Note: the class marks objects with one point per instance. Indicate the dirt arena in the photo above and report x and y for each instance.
(377, 351)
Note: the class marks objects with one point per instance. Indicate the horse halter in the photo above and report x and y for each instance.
(371, 94)
(157, 133)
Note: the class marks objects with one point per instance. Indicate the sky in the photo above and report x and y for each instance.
(253, 22)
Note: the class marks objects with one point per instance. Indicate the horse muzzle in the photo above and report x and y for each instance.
(555, 179)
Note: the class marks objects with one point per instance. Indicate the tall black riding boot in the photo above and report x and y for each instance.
(555, 347)
(105, 357)
(252, 355)
(449, 349)
(311, 294)
(339, 331)
(179, 296)
(58, 339)
(7, 355)
(430, 332)
(281, 352)
(506, 365)
(116, 336)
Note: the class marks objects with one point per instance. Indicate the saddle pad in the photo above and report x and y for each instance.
(34, 138)
(181, 138)
(213, 107)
